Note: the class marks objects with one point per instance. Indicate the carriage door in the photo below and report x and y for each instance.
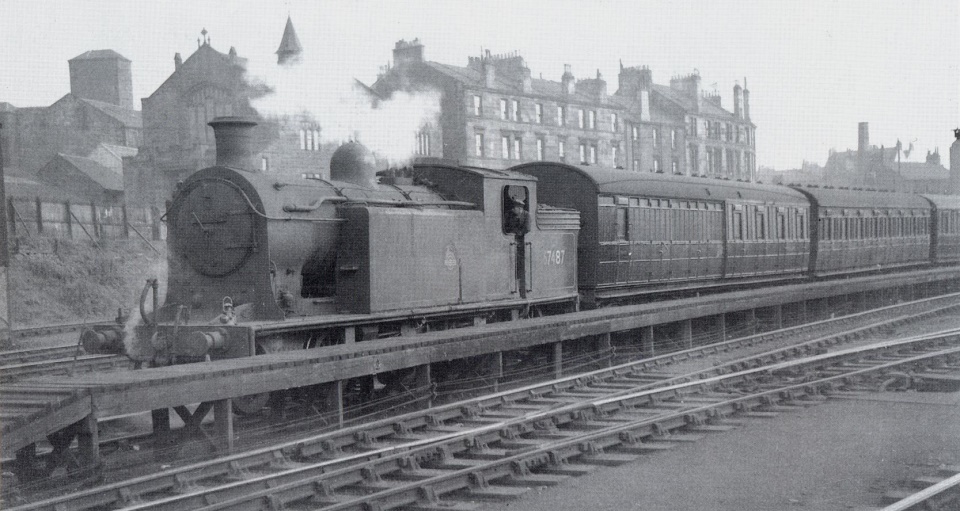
(516, 223)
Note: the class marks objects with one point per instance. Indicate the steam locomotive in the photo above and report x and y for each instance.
(259, 263)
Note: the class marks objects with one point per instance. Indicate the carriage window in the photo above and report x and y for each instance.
(801, 230)
(622, 230)
(737, 225)
(761, 226)
(781, 226)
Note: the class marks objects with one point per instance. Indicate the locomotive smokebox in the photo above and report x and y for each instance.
(234, 142)
(353, 163)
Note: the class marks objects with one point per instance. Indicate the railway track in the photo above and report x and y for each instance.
(361, 443)
(26, 356)
(45, 330)
(56, 360)
(446, 461)
(939, 492)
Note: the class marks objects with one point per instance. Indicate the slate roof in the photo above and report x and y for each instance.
(127, 117)
(917, 171)
(99, 55)
(687, 103)
(103, 176)
(540, 87)
(120, 151)
(289, 43)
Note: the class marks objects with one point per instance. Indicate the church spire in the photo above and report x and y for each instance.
(290, 49)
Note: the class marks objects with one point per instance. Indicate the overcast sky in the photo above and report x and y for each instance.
(814, 67)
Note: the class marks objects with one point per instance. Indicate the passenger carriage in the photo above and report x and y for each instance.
(862, 230)
(643, 232)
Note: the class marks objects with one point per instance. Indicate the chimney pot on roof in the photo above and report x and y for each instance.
(567, 79)
(406, 53)
(177, 61)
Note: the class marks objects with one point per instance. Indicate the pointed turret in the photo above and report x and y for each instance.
(290, 49)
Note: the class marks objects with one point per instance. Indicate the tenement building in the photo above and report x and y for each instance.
(493, 113)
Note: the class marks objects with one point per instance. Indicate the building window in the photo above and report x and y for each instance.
(729, 133)
(614, 150)
(693, 127)
(673, 139)
(613, 122)
(583, 154)
(592, 118)
(517, 146)
(675, 166)
(539, 148)
(593, 154)
(423, 143)
(580, 118)
(561, 116)
(477, 106)
(478, 142)
(503, 109)
(656, 137)
(562, 149)
(538, 108)
(264, 164)
(636, 165)
(635, 133)
(309, 140)
(505, 147)
(656, 165)
(694, 160)
(514, 110)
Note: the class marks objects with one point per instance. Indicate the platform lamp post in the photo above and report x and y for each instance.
(4, 257)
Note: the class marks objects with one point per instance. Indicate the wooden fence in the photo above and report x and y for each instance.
(36, 217)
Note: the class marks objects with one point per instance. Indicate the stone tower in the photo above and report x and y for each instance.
(102, 75)
(290, 49)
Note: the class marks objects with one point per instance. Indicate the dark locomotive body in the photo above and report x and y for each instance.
(259, 263)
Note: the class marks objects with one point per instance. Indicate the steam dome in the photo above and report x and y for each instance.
(354, 163)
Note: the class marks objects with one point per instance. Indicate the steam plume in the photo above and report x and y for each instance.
(324, 92)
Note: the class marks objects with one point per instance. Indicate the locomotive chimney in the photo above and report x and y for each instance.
(234, 144)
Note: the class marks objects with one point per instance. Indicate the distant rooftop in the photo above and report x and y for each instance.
(99, 55)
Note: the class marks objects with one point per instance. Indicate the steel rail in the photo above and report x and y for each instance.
(354, 436)
(24, 356)
(928, 497)
(321, 481)
(39, 331)
(80, 364)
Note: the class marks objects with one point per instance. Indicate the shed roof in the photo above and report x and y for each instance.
(103, 176)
